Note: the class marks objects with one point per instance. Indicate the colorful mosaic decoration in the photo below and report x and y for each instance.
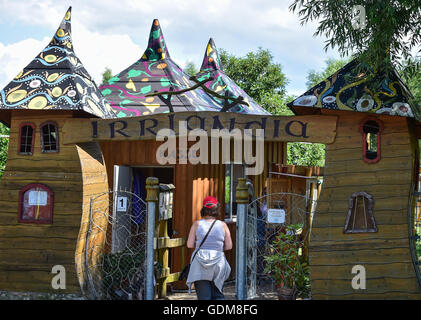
(347, 90)
(224, 85)
(154, 72)
(56, 80)
(157, 72)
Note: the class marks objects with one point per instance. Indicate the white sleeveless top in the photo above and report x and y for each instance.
(215, 239)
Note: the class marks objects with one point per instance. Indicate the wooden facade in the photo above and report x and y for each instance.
(75, 174)
(385, 254)
(28, 252)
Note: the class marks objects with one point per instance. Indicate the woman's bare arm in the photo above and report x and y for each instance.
(191, 240)
(227, 240)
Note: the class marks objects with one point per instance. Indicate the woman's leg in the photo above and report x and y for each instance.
(216, 294)
(203, 289)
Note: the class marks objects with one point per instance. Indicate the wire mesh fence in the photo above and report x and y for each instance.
(417, 233)
(116, 247)
(276, 245)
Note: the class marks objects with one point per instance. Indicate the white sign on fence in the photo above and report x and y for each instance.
(121, 204)
(276, 216)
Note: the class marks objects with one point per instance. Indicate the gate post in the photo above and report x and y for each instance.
(152, 199)
(242, 201)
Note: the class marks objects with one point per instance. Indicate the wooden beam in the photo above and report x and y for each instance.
(314, 128)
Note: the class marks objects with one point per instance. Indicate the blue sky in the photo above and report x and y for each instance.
(114, 34)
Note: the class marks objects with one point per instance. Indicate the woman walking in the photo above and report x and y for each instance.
(209, 268)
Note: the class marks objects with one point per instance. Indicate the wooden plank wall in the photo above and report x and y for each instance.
(95, 185)
(28, 252)
(385, 254)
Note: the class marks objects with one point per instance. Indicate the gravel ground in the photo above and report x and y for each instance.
(12, 295)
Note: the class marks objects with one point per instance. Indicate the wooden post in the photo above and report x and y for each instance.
(152, 199)
(242, 200)
(307, 226)
(163, 254)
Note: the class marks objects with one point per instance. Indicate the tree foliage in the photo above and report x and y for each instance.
(306, 154)
(411, 74)
(256, 73)
(190, 68)
(390, 30)
(106, 75)
(260, 77)
(332, 65)
(4, 146)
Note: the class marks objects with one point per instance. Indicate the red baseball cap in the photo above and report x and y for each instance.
(210, 202)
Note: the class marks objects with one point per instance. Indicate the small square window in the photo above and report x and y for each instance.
(49, 137)
(26, 138)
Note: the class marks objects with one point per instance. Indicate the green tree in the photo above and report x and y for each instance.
(258, 75)
(4, 147)
(411, 74)
(106, 75)
(306, 154)
(332, 65)
(390, 28)
(276, 104)
(190, 68)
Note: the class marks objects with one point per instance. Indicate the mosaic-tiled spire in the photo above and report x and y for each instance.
(157, 49)
(211, 59)
(56, 80)
(349, 90)
(63, 35)
(224, 85)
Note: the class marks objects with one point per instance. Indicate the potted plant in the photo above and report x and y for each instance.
(286, 266)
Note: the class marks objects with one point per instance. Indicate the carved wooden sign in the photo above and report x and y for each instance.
(313, 128)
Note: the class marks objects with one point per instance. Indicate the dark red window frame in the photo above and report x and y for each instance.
(364, 138)
(41, 130)
(21, 200)
(23, 124)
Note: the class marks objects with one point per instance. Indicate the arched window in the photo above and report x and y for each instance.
(371, 130)
(360, 216)
(36, 203)
(49, 137)
(26, 138)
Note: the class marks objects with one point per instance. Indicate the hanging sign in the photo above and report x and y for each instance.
(37, 198)
(307, 128)
(121, 204)
(276, 216)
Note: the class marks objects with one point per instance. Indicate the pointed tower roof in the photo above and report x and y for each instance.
(157, 48)
(154, 72)
(349, 90)
(211, 59)
(56, 80)
(224, 85)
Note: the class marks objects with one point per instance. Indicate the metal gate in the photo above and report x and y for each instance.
(115, 247)
(270, 219)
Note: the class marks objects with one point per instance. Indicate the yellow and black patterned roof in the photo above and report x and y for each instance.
(349, 90)
(56, 80)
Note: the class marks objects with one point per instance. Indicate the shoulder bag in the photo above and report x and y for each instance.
(185, 272)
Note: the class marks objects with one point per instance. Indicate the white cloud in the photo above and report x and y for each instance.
(96, 51)
(110, 34)
(14, 57)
